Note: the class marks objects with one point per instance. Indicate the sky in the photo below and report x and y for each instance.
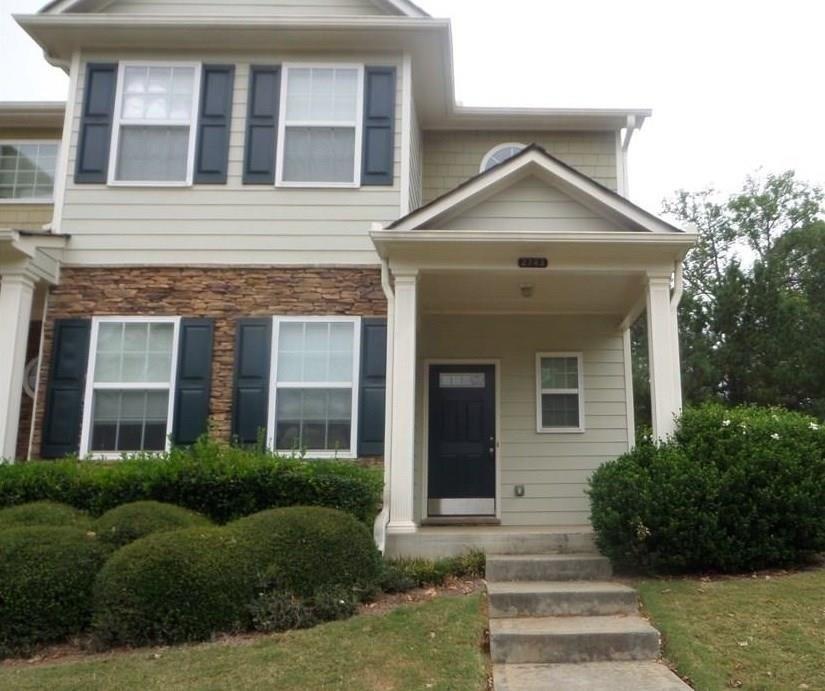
(735, 86)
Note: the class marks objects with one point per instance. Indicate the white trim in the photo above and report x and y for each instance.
(358, 125)
(499, 147)
(425, 425)
(537, 162)
(63, 176)
(627, 348)
(406, 135)
(57, 164)
(277, 320)
(118, 122)
(86, 429)
(540, 428)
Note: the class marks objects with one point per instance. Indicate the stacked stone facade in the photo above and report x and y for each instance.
(219, 293)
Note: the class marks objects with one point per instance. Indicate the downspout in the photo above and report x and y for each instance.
(383, 518)
(675, 301)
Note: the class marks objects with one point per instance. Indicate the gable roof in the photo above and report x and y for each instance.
(403, 7)
(535, 161)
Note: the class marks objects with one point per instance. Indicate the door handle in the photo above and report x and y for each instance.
(492, 446)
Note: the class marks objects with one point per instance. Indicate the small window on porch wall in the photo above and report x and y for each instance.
(315, 390)
(559, 392)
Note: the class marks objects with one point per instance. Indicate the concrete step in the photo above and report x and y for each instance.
(560, 598)
(547, 567)
(546, 640)
(592, 676)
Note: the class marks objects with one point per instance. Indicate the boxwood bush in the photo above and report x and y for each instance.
(219, 481)
(302, 550)
(131, 522)
(734, 490)
(46, 577)
(172, 587)
(43, 513)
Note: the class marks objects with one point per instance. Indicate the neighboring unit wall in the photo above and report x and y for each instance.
(451, 157)
(262, 8)
(553, 467)
(232, 223)
(222, 294)
(26, 216)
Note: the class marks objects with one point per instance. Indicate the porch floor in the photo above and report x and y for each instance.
(433, 542)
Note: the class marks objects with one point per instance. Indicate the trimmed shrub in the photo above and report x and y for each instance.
(46, 577)
(221, 482)
(282, 611)
(735, 490)
(43, 513)
(131, 522)
(400, 575)
(172, 587)
(302, 550)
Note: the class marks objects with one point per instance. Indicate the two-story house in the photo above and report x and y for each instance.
(271, 217)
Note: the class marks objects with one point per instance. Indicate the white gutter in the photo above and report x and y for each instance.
(383, 518)
(678, 286)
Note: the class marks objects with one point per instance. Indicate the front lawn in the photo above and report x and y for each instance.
(436, 645)
(762, 632)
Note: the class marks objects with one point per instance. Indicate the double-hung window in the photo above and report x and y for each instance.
(129, 387)
(27, 170)
(320, 125)
(315, 375)
(559, 392)
(154, 126)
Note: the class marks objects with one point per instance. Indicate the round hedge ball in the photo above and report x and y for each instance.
(46, 579)
(306, 549)
(43, 513)
(130, 522)
(172, 587)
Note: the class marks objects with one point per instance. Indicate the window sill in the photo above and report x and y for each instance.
(318, 455)
(27, 202)
(319, 185)
(560, 430)
(176, 185)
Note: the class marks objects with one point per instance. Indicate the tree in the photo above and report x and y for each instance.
(752, 319)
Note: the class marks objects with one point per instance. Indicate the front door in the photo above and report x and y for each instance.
(462, 446)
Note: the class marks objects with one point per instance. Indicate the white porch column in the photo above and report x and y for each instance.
(16, 293)
(663, 354)
(402, 475)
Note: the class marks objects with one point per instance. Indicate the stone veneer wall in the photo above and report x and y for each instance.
(222, 294)
(26, 403)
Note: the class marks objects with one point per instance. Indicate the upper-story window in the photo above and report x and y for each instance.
(154, 124)
(499, 154)
(27, 170)
(321, 125)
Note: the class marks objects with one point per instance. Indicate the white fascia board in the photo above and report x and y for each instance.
(535, 161)
(686, 240)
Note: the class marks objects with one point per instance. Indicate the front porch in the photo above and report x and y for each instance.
(509, 375)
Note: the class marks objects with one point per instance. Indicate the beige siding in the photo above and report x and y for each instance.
(452, 157)
(553, 467)
(263, 8)
(529, 205)
(232, 223)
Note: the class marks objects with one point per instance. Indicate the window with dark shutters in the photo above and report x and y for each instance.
(373, 387)
(96, 123)
(379, 126)
(251, 395)
(194, 380)
(214, 120)
(261, 125)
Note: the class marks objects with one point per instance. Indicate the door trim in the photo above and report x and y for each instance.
(424, 414)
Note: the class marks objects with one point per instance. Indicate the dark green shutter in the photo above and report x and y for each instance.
(96, 123)
(379, 126)
(251, 397)
(372, 394)
(194, 380)
(65, 389)
(217, 83)
(262, 125)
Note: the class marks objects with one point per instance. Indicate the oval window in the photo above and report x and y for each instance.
(499, 154)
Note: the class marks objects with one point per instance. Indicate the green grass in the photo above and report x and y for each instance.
(436, 645)
(750, 633)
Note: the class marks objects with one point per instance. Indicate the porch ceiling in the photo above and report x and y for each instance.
(545, 292)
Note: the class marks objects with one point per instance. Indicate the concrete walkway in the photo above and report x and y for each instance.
(558, 622)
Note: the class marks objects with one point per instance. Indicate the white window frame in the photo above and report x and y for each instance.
(91, 387)
(352, 452)
(492, 152)
(34, 200)
(540, 428)
(358, 123)
(118, 121)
